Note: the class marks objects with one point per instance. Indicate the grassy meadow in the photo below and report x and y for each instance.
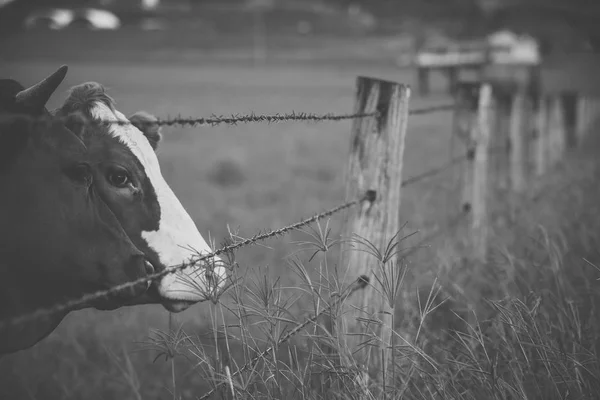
(535, 338)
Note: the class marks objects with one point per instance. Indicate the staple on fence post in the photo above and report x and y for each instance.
(375, 162)
(479, 222)
(517, 142)
(541, 128)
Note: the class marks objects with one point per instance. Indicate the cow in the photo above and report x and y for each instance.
(129, 180)
(58, 237)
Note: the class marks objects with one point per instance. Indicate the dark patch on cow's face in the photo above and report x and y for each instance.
(121, 181)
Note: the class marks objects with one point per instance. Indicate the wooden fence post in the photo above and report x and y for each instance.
(518, 142)
(479, 222)
(376, 163)
(467, 98)
(556, 130)
(541, 128)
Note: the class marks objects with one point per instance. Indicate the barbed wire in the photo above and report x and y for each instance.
(235, 119)
(86, 299)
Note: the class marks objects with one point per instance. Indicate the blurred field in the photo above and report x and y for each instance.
(249, 176)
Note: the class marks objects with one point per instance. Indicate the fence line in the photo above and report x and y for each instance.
(214, 120)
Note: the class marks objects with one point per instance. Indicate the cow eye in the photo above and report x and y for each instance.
(118, 178)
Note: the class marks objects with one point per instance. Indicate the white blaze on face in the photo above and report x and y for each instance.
(177, 238)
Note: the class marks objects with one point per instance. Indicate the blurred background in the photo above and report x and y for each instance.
(200, 57)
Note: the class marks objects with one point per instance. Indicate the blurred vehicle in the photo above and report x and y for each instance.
(61, 18)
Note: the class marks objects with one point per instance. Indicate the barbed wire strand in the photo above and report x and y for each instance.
(235, 119)
(360, 283)
(43, 312)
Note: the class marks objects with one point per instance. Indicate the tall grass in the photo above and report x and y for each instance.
(522, 326)
(537, 340)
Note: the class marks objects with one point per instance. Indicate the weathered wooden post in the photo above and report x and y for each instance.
(481, 136)
(556, 130)
(541, 129)
(376, 163)
(467, 98)
(518, 142)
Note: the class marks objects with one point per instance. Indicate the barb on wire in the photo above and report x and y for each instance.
(360, 283)
(85, 299)
(235, 119)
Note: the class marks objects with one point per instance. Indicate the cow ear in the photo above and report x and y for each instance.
(145, 123)
(15, 133)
